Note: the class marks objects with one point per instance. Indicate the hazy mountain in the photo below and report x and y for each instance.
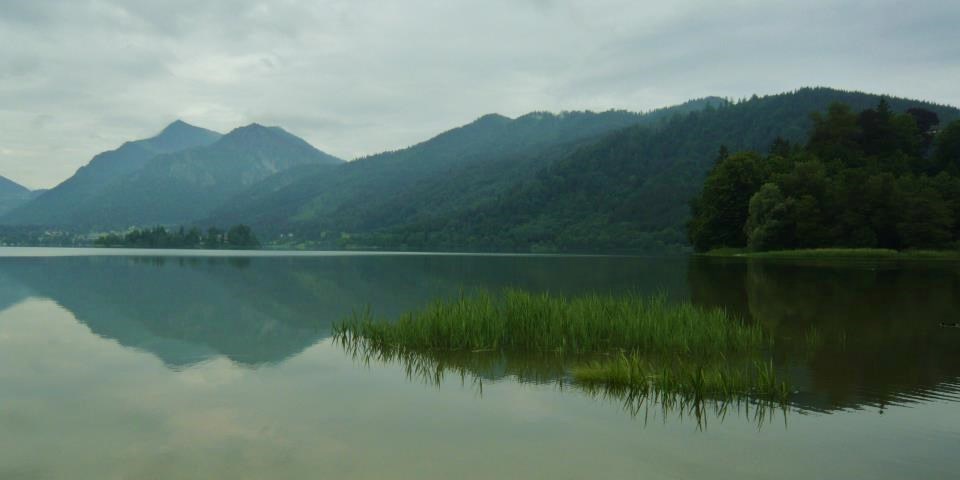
(176, 188)
(9, 187)
(12, 195)
(453, 171)
(571, 181)
(632, 188)
(59, 205)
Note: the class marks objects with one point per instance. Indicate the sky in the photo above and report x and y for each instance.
(354, 77)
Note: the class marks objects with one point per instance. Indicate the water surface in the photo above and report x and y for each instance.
(147, 364)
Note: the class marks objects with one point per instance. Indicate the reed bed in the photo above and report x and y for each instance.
(642, 344)
(525, 322)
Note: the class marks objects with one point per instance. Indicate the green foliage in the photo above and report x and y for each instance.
(948, 149)
(721, 210)
(241, 236)
(863, 180)
(640, 345)
(237, 237)
(768, 218)
(525, 322)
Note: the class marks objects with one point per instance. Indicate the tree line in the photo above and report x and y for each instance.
(236, 237)
(877, 179)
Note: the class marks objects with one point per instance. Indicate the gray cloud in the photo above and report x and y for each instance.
(355, 77)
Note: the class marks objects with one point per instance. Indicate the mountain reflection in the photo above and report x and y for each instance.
(262, 310)
(879, 340)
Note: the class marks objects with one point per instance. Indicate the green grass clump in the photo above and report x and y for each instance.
(631, 344)
(540, 323)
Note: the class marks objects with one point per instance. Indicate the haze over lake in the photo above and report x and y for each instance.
(487, 239)
(168, 364)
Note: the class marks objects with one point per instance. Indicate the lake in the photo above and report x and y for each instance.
(119, 364)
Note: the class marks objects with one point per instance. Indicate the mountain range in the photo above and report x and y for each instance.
(174, 177)
(566, 182)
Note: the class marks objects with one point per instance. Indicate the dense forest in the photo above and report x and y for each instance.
(236, 237)
(877, 178)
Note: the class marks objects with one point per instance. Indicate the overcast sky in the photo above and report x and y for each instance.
(355, 77)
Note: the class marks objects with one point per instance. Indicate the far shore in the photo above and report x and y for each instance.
(838, 254)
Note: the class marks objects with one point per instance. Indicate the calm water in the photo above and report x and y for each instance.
(155, 365)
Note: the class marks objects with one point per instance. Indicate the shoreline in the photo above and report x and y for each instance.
(835, 254)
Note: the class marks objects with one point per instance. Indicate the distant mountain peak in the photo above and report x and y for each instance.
(178, 126)
(180, 135)
(493, 117)
(255, 129)
(58, 206)
(258, 137)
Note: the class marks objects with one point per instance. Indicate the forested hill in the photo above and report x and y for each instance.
(631, 189)
(575, 181)
(451, 172)
(871, 179)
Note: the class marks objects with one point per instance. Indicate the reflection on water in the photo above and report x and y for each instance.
(879, 324)
(435, 368)
(164, 366)
(880, 341)
(258, 311)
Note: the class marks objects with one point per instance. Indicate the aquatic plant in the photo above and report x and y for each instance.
(526, 322)
(642, 344)
(813, 339)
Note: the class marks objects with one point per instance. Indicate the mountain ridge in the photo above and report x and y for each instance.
(638, 184)
(394, 186)
(568, 181)
(13, 195)
(57, 205)
(179, 187)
